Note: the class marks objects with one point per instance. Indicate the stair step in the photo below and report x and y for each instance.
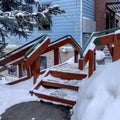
(59, 85)
(67, 75)
(53, 98)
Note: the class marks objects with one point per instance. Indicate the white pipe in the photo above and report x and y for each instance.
(81, 28)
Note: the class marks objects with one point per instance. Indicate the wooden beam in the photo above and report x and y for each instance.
(67, 76)
(59, 85)
(90, 56)
(14, 55)
(75, 56)
(81, 64)
(2, 69)
(16, 62)
(36, 70)
(62, 43)
(36, 53)
(56, 56)
(56, 99)
(83, 61)
(19, 80)
(91, 63)
(20, 70)
(105, 39)
(38, 85)
(29, 72)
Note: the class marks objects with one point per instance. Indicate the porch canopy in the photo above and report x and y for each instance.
(112, 9)
(113, 6)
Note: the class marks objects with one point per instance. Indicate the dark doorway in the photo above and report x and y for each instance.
(112, 8)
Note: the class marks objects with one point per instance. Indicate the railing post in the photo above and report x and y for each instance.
(28, 72)
(75, 56)
(81, 64)
(116, 51)
(56, 56)
(36, 70)
(91, 63)
(20, 70)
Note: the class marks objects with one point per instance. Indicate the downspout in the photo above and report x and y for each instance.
(81, 26)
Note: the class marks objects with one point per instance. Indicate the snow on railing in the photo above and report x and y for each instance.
(21, 47)
(90, 40)
(34, 46)
(63, 38)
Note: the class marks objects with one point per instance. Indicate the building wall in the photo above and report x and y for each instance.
(67, 23)
(100, 14)
(88, 9)
(88, 21)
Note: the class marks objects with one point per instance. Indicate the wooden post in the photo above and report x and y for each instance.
(116, 50)
(20, 70)
(75, 56)
(83, 61)
(91, 63)
(56, 56)
(81, 64)
(29, 75)
(36, 70)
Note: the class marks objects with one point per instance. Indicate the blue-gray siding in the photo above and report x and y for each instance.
(69, 22)
(88, 9)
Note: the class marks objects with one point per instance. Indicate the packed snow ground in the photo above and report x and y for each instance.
(98, 96)
(14, 94)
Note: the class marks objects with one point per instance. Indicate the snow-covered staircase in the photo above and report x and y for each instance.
(57, 92)
(57, 86)
(107, 53)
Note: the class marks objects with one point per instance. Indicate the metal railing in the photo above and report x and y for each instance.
(66, 36)
(17, 49)
(94, 34)
(34, 45)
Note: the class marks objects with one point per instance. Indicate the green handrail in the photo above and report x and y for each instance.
(31, 42)
(96, 34)
(66, 36)
(33, 47)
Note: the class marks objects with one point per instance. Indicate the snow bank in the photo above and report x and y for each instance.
(100, 55)
(99, 96)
